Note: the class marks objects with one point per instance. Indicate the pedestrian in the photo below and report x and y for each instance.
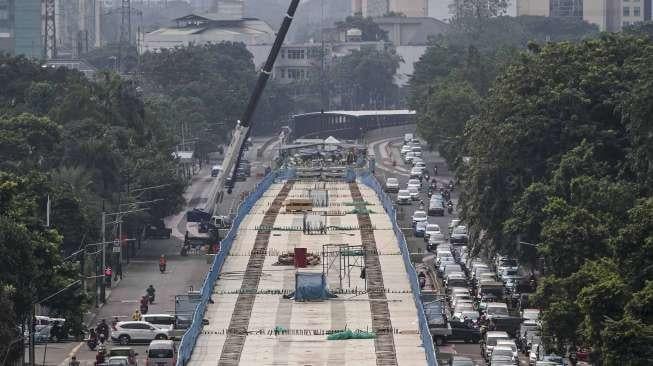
(73, 361)
(107, 275)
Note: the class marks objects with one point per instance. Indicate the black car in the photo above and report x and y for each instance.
(459, 235)
(462, 331)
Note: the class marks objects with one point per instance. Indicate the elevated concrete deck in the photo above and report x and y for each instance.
(306, 343)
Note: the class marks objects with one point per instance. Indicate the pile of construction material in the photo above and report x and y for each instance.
(288, 259)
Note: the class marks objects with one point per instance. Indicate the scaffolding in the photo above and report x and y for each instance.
(343, 258)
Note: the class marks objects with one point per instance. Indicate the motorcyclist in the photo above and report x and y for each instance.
(163, 261)
(136, 316)
(103, 328)
(150, 293)
(100, 357)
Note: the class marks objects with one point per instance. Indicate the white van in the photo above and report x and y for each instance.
(408, 138)
(161, 353)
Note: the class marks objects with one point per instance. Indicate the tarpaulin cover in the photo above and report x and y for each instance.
(348, 334)
(311, 286)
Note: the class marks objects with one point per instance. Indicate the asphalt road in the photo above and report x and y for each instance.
(386, 150)
(181, 273)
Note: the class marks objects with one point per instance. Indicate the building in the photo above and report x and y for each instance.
(78, 26)
(210, 27)
(21, 27)
(377, 8)
(608, 15)
(410, 31)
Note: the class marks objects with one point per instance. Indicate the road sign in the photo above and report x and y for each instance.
(116, 249)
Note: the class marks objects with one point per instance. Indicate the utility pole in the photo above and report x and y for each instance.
(103, 282)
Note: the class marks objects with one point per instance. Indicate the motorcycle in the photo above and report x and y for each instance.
(91, 343)
(162, 267)
(150, 298)
(450, 207)
(144, 308)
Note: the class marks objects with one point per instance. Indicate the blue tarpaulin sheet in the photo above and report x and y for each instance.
(311, 286)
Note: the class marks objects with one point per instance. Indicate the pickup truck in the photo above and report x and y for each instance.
(461, 331)
(435, 311)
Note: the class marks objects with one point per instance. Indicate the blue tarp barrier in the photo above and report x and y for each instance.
(311, 286)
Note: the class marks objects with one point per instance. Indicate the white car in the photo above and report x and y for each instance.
(501, 350)
(403, 197)
(416, 172)
(408, 158)
(417, 160)
(510, 343)
(127, 332)
(431, 229)
(392, 185)
(414, 183)
(405, 149)
(419, 164)
(413, 192)
(419, 216)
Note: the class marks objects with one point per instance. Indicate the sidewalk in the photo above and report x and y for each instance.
(181, 274)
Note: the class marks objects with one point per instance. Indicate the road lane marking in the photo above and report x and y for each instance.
(71, 354)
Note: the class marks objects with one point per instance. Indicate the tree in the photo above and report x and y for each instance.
(365, 78)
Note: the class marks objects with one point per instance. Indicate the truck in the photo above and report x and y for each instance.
(197, 234)
(157, 230)
(435, 310)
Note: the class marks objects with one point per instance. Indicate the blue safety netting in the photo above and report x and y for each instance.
(190, 336)
(370, 181)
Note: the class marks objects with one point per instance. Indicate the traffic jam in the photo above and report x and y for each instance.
(477, 308)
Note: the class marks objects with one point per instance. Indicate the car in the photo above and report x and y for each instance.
(419, 216)
(434, 244)
(431, 229)
(505, 262)
(392, 185)
(437, 237)
(414, 183)
(491, 338)
(531, 316)
(419, 163)
(403, 197)
(457, 298)
(436, 207)
(501, 360)
(408, 157)
(413, 192)
(496, 310)
(470, 314)
(464, 331)
(162, 353)
(117, 361)
(461, 361)
(124, 352)
(417, 160)
(133, 331)
(420, 228)
(510, 343)
(455, 279)
(459, 235)
(405, 149)
(501, 350)
(507, 271)
(462, 308)
(416, 173)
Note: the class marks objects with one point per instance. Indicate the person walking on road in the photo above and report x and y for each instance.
(73, 361)
(136, 316)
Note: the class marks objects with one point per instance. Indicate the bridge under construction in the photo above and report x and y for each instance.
(260, 312)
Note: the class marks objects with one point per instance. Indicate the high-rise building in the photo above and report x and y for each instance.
(27, 32)
(77, 24)
(608, 15)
